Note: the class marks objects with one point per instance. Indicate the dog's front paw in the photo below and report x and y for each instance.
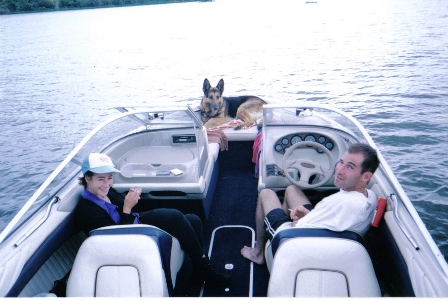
(210, 124)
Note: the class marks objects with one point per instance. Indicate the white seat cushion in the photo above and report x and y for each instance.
(321, 283)
(322, 267)
(117, 281)
(125, 261)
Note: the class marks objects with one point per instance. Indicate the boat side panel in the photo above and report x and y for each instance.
(422, 267)
(61, 234)
(390, 267)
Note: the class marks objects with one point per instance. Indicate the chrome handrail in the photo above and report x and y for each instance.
(394, 199)
(40, 223)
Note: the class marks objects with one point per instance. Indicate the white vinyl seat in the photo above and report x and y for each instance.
(320, 263)
(126, 261)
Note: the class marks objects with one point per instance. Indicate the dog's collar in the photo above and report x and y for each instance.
(204, 113)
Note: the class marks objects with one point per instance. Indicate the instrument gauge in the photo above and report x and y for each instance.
(329, 145)
(310, 138)
(296, 139)
(278, 147)
(321, 139)
(285, 141)
(319, 150)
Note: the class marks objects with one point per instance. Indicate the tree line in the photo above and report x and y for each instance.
(24, 6)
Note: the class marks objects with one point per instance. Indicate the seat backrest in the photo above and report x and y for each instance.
(286, 234)
(126, 261)
(325, 266)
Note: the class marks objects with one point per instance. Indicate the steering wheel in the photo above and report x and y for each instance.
(307, 168)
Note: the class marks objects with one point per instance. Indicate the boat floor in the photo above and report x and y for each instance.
(234, 203)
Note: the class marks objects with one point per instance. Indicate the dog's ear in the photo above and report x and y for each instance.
(206, 87)
(220, 86)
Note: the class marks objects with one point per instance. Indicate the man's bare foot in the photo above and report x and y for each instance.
(253, 254)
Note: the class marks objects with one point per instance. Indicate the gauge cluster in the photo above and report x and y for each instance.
(282, 144)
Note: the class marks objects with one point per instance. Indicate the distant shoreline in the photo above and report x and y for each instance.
(13, 7)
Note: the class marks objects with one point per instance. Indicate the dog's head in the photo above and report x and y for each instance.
(212, 101)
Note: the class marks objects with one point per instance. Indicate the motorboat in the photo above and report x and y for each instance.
(217, 174)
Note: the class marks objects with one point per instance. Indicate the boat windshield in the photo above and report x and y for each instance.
(131, 120)
(321, 116)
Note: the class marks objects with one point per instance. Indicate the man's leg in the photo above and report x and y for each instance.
(294, 197)
(267, 200)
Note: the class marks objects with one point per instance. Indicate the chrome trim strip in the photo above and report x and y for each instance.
(194, 116)
(40, 223)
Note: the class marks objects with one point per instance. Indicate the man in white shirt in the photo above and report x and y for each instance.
(349, 209)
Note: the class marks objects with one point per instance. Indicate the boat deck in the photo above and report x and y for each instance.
(234, 203)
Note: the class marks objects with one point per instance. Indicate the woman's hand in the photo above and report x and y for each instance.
(131, 199)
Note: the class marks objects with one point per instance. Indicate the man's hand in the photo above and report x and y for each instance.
(297, 213)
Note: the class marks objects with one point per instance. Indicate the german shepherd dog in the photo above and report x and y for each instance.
(217, 110)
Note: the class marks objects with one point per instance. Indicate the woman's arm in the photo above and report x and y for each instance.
(90, 216)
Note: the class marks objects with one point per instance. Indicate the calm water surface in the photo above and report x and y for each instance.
(385, 62)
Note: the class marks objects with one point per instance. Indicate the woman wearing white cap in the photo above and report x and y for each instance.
(101, 206)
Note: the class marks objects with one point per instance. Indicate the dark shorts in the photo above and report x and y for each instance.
(277, 217)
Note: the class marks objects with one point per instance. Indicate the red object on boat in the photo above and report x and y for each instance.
(378, 215)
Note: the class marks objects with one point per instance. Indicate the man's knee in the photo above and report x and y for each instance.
(293, 190)
(267, 194)
(295, 196)
(268, 200)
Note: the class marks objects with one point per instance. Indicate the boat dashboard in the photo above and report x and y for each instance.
(283, 143)
(300, 147)
(305, 158)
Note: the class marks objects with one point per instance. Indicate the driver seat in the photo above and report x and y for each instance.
(320, 263)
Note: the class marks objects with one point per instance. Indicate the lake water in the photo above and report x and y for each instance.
(385, 62)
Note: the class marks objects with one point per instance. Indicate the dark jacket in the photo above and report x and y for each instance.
(89, 216)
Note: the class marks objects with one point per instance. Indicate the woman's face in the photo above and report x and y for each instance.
(99, 184)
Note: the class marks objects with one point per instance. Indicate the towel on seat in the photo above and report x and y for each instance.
(218, 136)
(257, 150)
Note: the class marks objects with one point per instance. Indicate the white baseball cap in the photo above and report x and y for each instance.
(98, 163)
